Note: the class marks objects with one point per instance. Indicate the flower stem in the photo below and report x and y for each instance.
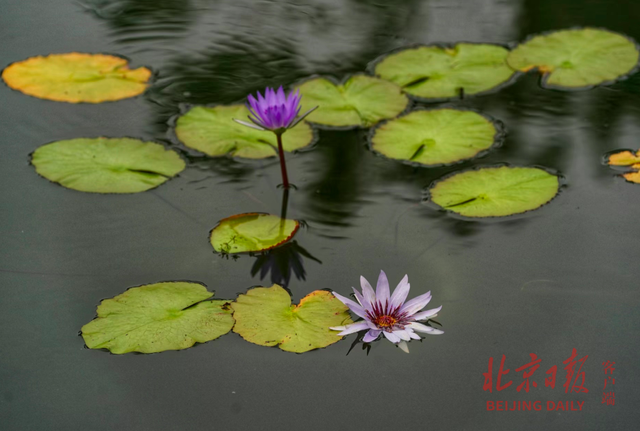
(283, 164)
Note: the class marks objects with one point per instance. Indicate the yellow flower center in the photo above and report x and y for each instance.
(385, 321)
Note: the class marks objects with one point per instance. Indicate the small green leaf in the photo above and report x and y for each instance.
(265, 316)
(576, 59)
(251, 232)
(158, 317)
(361, 101)
(495, 191)
(106, 165)
(434, 72)
(212, 131)
(435, 137)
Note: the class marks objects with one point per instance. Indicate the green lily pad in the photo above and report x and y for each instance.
(265, 316)
(436, 137)
(77, 77)
(575, 59)
(361, 101)
(251, 232)
(212, 131)
(436, 72)
(106, 165)
(157, 317)
(495, 191)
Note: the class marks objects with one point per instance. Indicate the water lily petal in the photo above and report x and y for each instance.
(392, 337)
(404, 335)
(253, 126)
(361, 300)
(382, 289)
(354, 327)
(371, 335)
(412, 334)
(416, 304)
(400, 293)
(424, 328)
(356, 308)
(300, 118)
(424, 315)
(367, 291)
(280, 96)
(403, 346)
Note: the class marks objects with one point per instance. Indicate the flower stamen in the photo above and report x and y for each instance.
(385, 321)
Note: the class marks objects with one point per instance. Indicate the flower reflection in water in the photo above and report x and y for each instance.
(280, 263)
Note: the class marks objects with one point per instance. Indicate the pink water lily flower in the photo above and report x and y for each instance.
(388, 314)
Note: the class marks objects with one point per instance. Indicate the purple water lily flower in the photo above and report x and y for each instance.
(388, 314)
(276, 112)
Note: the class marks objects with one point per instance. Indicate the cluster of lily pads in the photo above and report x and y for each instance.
(175, 315)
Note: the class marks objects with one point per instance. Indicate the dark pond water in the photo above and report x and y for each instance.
(562, 277)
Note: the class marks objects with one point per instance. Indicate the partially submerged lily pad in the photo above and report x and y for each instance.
(627, 158)
(252, 232)
(579, 58)
(265, 316)
(436, 137)
(107, 165)
(77, 77)
(361, 101)
(212, 131)
(494, 191)
(437, 72)
(157, 317)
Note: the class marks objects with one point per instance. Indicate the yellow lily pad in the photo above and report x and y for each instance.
(627, 158)
(77, 77)
(265, 316)
(251, 232)
(624, 158)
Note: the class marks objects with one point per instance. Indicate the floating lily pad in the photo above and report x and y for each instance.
(252, 232)
(627, 158)
(436, 137)
(105, 165)
(265, 316)
(361, 101)
(495, 191)
(212, 131)
(77, 77)
(436, 72)
(575, 59)
(158, 317)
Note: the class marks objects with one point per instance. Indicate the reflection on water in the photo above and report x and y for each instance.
(279, 263)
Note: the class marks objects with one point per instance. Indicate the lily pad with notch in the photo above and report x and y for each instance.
(106, 165)
(172, 315)
(437, 136)
(436, 72)
(577, 58)
(265, 316)
(77, 77)
(252, 232)
(211, 130)
(494, 191)
(361, 101)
